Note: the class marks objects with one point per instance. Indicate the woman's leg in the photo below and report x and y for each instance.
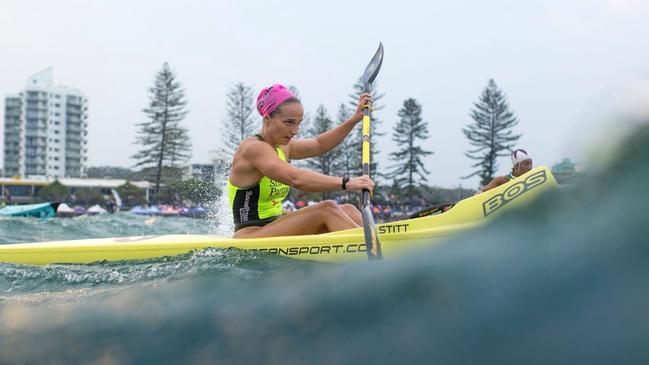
(353, 213)
(323, 217)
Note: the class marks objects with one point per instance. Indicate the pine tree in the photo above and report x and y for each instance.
(408, 170)
(327, 163)
(294, 90)
(163, 141)
(491, 133)
(241, 121)
(350, 148)
(376, 106)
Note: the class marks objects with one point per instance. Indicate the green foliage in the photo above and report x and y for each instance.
(88, 196)
(408, 170)
(491, 132)
(168, 176)
(131, 195)
(54, 192)
(162, 140)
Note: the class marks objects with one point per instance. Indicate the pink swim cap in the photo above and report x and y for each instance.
(271, 97)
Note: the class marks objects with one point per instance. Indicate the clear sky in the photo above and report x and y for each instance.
(564, 65)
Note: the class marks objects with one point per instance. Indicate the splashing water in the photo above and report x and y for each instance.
(220, 218)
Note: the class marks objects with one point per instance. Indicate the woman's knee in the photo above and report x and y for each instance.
(350, 207)
(330, 206)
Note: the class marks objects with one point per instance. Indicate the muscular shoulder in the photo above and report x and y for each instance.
(250, 147)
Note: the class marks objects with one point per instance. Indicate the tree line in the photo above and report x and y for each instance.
(164, 144)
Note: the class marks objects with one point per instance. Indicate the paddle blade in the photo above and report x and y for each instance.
(373, 68)
(373, 246)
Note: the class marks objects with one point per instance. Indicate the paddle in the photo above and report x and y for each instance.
(373, 246)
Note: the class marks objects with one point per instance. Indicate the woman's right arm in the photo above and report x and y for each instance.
(264, 158)
(495, 182)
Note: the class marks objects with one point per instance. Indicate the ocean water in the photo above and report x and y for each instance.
(561, 281)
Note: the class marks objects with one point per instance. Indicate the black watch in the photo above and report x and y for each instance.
(345, 180)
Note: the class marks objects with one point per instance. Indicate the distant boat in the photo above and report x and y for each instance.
(168, 211)
(42, 210)
(95, 210)
(139, 210)
(154, 210)
(64, 210)
(79, 210)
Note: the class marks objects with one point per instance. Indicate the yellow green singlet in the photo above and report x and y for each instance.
(260, 204)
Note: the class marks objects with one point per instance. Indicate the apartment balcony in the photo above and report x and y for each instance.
(35, 114)
(72, 140)
(13, 114)
(35, 124)
(31, 152)
(35, 105)
(10, 151)
(36, 95)
(34, 169)
(73, 124)
(40, 133)
(37, 144)
(11, 162)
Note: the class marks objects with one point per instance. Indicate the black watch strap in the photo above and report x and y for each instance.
(345, 180)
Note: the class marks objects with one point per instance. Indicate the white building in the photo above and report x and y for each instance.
(46, 130)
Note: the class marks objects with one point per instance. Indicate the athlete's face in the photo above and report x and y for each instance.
(285, 123)
(522, 167)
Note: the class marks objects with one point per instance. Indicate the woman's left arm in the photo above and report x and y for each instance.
(304, 148)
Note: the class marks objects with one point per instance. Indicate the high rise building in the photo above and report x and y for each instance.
(46, 130)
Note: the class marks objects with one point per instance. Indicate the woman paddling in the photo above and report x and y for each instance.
(261, 175)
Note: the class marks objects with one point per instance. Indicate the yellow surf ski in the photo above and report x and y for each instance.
(343, 246)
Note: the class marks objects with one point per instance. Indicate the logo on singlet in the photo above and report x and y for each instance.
(243, 211)
(277, 190)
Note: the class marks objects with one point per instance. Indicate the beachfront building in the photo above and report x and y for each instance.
(24, 191)
(46, 130)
